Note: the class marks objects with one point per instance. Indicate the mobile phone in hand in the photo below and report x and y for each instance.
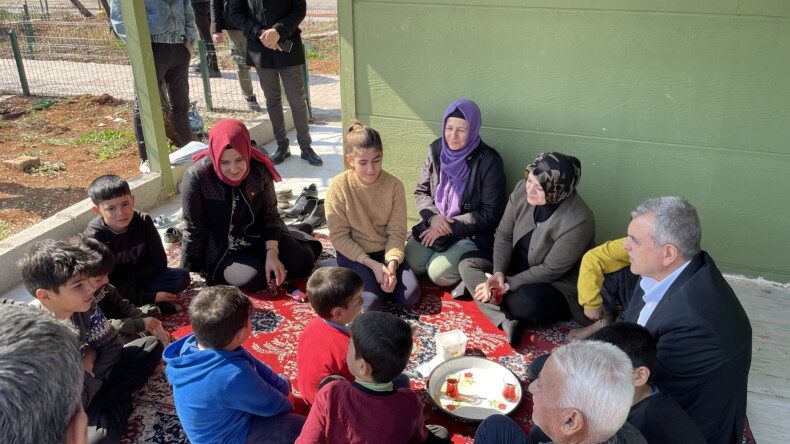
(286, 45)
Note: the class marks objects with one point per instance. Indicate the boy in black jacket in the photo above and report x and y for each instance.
(141, 273)
(654, 412)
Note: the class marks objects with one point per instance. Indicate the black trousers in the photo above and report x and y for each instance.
(111, 407)
(538, 303)
(171, 61)
(246, 268)
(203, 23)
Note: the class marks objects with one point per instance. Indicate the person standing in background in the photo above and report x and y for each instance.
(274, 48)
(220, 21)
(202, 9)
(171, 24)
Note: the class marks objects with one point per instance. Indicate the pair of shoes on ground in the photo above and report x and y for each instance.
(313, 214)
(284, 151)
(308, 208)
(309, 192)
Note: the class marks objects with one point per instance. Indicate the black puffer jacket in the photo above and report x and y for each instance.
(207, 203)
(487, 200)
(255, 16)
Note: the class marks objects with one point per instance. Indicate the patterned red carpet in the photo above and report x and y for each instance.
(277, 323)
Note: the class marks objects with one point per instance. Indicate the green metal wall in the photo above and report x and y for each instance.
(686, 97)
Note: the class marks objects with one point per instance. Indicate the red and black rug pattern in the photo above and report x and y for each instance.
(278, 322)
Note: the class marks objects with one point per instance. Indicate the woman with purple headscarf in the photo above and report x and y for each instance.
(454, 202)
(546, 229)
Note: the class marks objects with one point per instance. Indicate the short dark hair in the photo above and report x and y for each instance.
(636, 341)
(331, 287)
(106, 187)
(217, 314)
(384, 341)
(49, 264)
(102, 262)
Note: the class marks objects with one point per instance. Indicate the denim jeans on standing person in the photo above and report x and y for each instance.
(171, 61)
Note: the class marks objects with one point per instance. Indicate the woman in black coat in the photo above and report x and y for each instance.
(233, 233)
(460, 193)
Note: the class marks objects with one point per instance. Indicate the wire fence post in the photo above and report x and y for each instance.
(204, 74)
(19, 66)
(306, 77)
(30, 37)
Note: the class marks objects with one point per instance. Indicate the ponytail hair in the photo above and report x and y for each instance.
(361, 137)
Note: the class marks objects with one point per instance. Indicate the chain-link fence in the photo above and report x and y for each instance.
(67, 48)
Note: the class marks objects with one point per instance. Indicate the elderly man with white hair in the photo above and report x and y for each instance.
(40, 379)
(583, 396)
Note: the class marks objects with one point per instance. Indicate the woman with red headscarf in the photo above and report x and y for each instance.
(233, 233)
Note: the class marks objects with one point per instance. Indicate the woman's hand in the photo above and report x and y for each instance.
(390, 277)
(429, 236)
(274, 266)
(217, 37)
(441, 224)
(496, 280)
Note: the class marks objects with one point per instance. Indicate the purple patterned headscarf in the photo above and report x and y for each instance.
(453, 170)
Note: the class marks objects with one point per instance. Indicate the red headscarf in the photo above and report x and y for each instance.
(232, 133)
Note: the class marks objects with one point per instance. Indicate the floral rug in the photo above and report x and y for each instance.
(277, 323)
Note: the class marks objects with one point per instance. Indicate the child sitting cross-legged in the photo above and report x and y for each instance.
(222, 393)
(55, 272)
(131, 322)
(369, 409)
(141, 274)
(336, 296)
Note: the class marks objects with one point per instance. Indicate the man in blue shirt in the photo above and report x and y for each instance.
(704, 336)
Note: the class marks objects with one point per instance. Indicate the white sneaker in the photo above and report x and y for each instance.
(145, 168)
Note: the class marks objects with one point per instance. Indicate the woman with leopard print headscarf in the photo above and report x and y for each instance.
(546, 229)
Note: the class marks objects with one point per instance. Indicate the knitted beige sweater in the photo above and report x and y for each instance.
(365, 219)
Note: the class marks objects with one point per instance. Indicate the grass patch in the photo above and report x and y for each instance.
(47, 168)
(4, 229)
(38, 153)
(33, 205)
(111, 141)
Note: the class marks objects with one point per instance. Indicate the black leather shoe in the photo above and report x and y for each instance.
(311, 157)
(309, 193)
(282, 152)
(317, 217)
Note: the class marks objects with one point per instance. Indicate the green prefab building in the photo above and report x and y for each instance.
(683, 97)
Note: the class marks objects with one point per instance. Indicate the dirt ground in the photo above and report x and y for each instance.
(76, 140)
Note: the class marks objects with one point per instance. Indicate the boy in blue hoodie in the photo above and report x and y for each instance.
(222, 393)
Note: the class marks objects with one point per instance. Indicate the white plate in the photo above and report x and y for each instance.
(480, 388)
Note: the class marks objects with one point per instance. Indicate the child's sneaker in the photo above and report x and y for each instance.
(151, 310)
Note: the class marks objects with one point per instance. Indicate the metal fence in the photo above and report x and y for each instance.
(64, 52)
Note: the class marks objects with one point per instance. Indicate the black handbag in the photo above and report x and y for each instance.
(442, 243)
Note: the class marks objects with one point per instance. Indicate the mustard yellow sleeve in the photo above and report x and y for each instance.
(603, 259)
